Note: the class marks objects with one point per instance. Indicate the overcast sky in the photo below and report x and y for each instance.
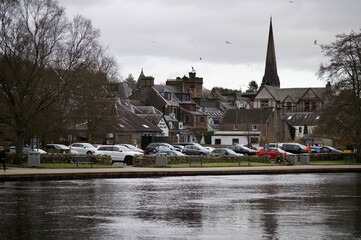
(167, 37)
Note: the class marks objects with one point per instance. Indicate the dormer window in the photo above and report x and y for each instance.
(167, 95)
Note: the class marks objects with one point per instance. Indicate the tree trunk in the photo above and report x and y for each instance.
(19, 145)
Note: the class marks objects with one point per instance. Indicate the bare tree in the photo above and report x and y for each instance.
(40, 52)
(342, 114)
(89, 98)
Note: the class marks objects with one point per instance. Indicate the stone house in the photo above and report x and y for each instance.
(172, 101)
(251, 126)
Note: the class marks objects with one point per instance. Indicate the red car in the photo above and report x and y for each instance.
(272, 152)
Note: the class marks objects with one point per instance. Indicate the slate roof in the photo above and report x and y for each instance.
(302, 118)
(280, 94)
(195, 113)
(149, 113)
(213, 112)
(122, 119)
(164, 88)
(122, 89)
(257, 115)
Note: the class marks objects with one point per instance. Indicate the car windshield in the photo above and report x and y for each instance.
(332, 148)
(61, 146)
(280, 150)
(246, 148)
(124, 148)
(131, 147)
(230, 151)
(88, 145)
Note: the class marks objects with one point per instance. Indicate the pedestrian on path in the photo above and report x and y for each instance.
(2, 156)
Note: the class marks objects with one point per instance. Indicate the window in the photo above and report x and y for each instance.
(187, 119)
(167, 95)
(300, 129)
(217, 141)
(254, 140)
(201, 119)
(105, 149)
(264, 104)
(314, 106)
(254, 127)
(289, 106)
(307, 106)
(235, 141)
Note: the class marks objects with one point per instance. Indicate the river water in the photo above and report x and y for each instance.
(292, 206)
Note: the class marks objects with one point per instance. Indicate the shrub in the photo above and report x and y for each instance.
(58, 158)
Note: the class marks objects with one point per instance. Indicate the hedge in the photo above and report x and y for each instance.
(57, 158)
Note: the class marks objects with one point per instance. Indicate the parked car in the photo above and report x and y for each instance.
(210, 149)
(175, 153)
(225, 152)
(238, 148)
(83, 148)
(195, 150)
(27, 149)
(178, 147)
(132, 147)
(272, 152)
(151, 146)
(329, 149)
(186, 143)
(117, 153)
(249, 145)
(59, 148)
(275, 145)
(295, 148)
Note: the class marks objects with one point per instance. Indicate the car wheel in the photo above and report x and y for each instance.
(201, 154)
(128, 160)
(89, 153)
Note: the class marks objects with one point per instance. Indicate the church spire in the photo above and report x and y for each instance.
(270, 74)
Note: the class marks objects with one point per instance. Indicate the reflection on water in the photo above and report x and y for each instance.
(299, 206)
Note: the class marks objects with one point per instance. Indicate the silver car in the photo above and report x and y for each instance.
(195, 150)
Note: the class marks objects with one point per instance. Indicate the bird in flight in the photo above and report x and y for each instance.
(315, 42)
(292, 1)
(228, 42)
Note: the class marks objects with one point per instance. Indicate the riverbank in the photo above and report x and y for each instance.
(36, 174)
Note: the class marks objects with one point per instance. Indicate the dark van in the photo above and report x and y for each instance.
(295, 148)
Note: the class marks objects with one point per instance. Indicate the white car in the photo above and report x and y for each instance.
(83, 148)
(118, 153)
(131, 147)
